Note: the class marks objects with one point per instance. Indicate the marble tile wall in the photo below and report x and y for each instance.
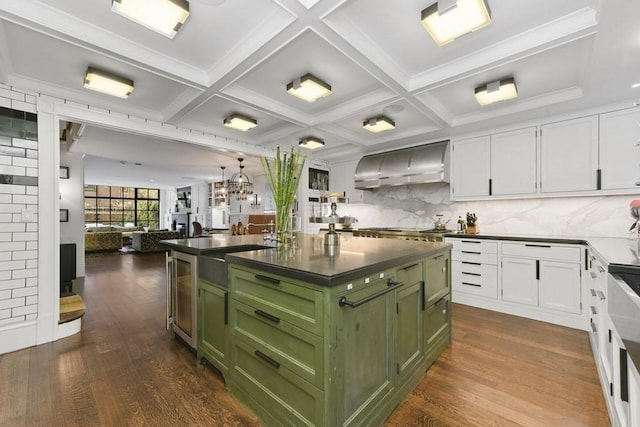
(416, 206)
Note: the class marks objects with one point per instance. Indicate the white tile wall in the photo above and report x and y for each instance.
(18, 239)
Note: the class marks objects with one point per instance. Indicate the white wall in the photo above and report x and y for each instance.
(72, 198)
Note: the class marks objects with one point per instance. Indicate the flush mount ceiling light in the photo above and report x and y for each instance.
(105, 82)
(240, 122)
(446, 20)
(496, 91)
(311, 142)
(378, 124)
(163, 16)
(309, 88)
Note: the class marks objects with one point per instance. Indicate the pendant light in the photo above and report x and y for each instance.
(239, 184)
(221, 187)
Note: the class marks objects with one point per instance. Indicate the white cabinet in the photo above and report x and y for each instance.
(474, 268)
(634, 395)
(620, 149)
(513, 162)
(620, 380)
(341, 181)
(471, 167)
(543, 275)
(501, 164)
(569, 155)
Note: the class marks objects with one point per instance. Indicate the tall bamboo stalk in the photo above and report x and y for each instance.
(283, 175)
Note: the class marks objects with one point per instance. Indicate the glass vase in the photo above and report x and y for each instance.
(284, 226)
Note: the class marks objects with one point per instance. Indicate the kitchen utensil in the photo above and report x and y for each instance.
(635, 213)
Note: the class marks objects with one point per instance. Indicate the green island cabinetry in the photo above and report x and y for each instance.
(301, 352)
(213, 332)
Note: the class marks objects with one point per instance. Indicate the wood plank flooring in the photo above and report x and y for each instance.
(124, 369)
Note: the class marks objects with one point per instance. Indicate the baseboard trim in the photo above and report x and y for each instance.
(17, 336)
(69, 328)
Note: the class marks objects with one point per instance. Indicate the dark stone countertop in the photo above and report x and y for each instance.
(356, 257)
(216, 243)
(520, 237)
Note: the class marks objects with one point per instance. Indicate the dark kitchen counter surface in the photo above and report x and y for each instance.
(356, 257)
(516, 237)
(215, 243)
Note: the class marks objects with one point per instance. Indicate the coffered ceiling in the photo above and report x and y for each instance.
(238, 56)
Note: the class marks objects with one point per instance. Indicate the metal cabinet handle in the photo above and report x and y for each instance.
(267, 316)
(409, 267)
(593, 310)
(593, 275)
(594, 328)
(624, 376)
(472, 274)
(226, 308)
(593, 292)
(601, 296)
(531, 245)
(470, 263)
(601, 269)
(267, 359)
(440, 301)
(471, 284)
(471, 252)
(470, 241)
(267, 279)
(391, 285)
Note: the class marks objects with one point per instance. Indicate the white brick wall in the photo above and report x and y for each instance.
(18, 239)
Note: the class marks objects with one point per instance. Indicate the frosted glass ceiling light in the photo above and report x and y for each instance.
(311, 142)
(446, 20)
(309, 88)
(163, 16)
(378, 124)
(496, 91)
(240, 122)
(105, 82)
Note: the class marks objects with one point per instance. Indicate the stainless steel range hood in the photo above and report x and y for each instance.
(415, 165)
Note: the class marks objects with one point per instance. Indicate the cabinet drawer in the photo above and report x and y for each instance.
(542, 251)
(476, 257)
(410, 273)
(298, 350)
(298, 305)
(481, 280)
(475, 245)
(437, 321)
(280, 393)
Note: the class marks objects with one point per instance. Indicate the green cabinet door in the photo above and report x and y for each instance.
(438, 278)
(437, 328)
(213, 332)
(409, 330)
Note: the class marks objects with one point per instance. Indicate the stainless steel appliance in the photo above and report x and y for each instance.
(425, 235)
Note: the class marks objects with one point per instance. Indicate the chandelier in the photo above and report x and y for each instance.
(220, 188)
(239, 184)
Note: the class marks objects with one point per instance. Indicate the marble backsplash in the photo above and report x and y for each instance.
(416, 206)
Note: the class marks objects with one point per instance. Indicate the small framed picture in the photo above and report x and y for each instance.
(64, 172)
(64, 215)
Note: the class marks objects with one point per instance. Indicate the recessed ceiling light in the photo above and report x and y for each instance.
(105, 82)
(311, 142)
(378, 124)
(446, 20)
(496, 91)
(635, 85)
(163, 16)
(309, 88)
(240, 122)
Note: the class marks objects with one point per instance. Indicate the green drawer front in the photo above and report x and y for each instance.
(280, 392)
(437, 320)
(292, 303)
(410, 273)
(298, 350)
(438, 278)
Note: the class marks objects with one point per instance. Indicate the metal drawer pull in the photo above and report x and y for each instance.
(440, 301)
(267, 279)
(267, 359)
(470, 263)
(531, 245)
(601, 296)
(601, 269)
(470, 252)
(391, 285)
(593, 275)
(471, 284)
(472, 274)
(593, 293)
(593, 310)
(267, 316)
(438, 257)
(470, 241)
(409, 267)
(594, 328)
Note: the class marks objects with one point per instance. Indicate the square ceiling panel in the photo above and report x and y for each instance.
(307, 53)
(63, 65)
(533, 75)
(395, 29)
(212, 31)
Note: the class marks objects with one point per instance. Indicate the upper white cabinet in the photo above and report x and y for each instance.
(569, 155)
(341, 181)
(501, 164)
(620, 149)
(471, 167)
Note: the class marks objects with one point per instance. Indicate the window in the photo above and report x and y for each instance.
(121, 206)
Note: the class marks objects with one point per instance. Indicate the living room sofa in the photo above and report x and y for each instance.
(149, 241)
(95, 241)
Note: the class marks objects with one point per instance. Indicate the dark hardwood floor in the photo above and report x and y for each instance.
(124, 369)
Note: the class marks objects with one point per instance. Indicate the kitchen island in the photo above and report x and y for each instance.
(317, 335)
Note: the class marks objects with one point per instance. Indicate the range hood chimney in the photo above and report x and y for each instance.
(416, 165)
